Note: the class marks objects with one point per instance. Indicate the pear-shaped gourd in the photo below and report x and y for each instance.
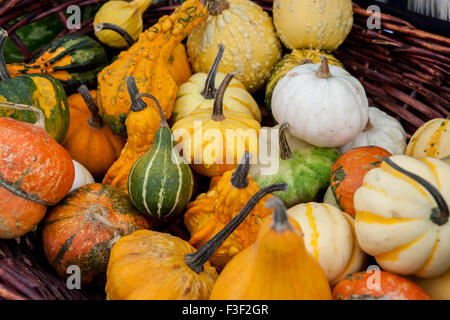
(160, 183)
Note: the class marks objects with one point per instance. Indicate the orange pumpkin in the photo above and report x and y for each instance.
(88, 140)
(348, 172)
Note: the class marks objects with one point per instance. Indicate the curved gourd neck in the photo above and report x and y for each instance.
(239, 178)
(122, 32)
(196, 260)
(94, 120)
(209, 91)
(285, 150)
(439, 215)
(217, 114)
(4, 74)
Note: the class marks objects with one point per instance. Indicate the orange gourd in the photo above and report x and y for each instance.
(276, 267)
(88, 140)
(211, 211)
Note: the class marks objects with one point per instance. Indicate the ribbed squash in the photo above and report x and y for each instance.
(147, 61)
(199, 91)
(142, 123)
(160, 183)
(247, 32)
(74, 60)
(213, 140)
(292, 60)
(211, 211)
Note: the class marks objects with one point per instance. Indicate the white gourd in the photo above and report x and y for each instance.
(82, 176)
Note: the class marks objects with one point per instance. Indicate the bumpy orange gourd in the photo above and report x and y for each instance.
(147, 60)
(211, 211)
(276, 267)
(142, 124)
(88, 140)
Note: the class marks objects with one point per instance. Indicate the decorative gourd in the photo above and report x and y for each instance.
(73, 59)
(380, 285)
(438, 287)
(383, 131)
(82, 229)
(330, 238)
(292, 60)
(40, 91)
(323, 105)
(142, 124)
(248, 34)
(348, 172)
(149, 265)
(431, 140)
(313, 24)
(127, 15)
(147, 61)
(88, 140)
(213, 140)
(276, 267)
(211, 211)
(160, 183)
(402, 215)
(199, 92)
(82, 176)
(305, 171)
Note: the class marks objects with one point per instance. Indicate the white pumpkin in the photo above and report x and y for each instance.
(330, 238)
(382, 131)
(82, 176)
(403, 221)
(323, 104)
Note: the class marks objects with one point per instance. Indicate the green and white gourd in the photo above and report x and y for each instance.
(306, 171)
(160, 183)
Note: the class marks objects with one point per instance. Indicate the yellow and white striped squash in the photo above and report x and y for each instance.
(431, 140)
(330, 238)
(246, 31)
(399, 220)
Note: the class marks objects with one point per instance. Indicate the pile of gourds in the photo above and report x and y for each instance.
(103, 169)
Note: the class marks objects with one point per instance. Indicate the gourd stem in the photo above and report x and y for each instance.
(137, 104)
(324, 69)
(216, 7)
(285, 150)
(239, 178)
(94, 120)
(369, 126)
(306, 61)
(40, 118)
(196, 260)
(217, 114)
(4, 74)
(161, 113)
(209, 91)
(447, 158)
(280, 220)
(110, 26)
(439, 215)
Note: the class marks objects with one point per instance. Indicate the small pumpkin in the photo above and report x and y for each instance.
(88, 140)
(199, 92)
(247, 32)
(334, 111)
(382, 131)
(306, 170)
(402, 215)
(82, 229)
(438, 287)
(380, 285)
(313, 24)
(276, 267)
(142, 123)
(148, 62)
(150, 265)
(160, 183)
(292, 60)
(82, 176)
(348, 172)
(432, 139)
(213, 140)
(211, 211)
(74, 60)
(330, 238)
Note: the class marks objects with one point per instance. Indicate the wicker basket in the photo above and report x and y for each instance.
(405, 71)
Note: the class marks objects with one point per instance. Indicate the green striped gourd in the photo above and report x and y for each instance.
(38, 90)
(160, 183)
(306, 171)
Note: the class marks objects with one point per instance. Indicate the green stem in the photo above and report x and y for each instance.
(94, 120)
(280, 220)
(196, 260)
(110, 26)
(4, 74)
(209, 91)
(239, 178)
(217, 114)
(285, 150)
